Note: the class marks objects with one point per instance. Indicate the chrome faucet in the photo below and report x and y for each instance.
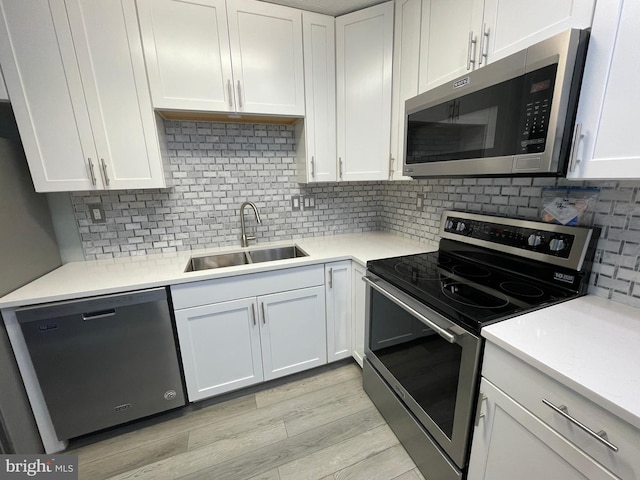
(244, 240)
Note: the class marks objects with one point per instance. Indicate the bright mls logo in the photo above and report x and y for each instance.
(57, 467)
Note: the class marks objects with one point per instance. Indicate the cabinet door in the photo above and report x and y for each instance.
(509, 442)
(406, 63)
(609, 148)
(449, 42)
(514, 25)
(364, 50)
(266, 52)
(359, 309)
(51, 116)
(293, 331)
(338, 299)
(220, 347)
(109, 54)
(186, 49)
(316, 140)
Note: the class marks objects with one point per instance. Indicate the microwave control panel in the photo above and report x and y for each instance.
(536, 109)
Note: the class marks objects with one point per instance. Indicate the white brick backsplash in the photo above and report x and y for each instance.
(216, 166)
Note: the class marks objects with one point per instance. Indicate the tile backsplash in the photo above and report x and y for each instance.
(217, 166)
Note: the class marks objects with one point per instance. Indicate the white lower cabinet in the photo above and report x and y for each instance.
(220, 346)
(338, 296)
(519, 434)
(511, 442)
(359, 310)
(277, 328)
(292, 331)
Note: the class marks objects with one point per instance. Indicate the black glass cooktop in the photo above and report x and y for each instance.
(467, 292)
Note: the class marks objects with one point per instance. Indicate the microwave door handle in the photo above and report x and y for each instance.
(448, 336)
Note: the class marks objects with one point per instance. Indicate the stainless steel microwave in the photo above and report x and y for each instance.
(512, 117)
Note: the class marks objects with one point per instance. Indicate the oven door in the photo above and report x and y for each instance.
(431, 363)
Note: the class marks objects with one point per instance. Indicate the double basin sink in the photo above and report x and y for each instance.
(244, 257)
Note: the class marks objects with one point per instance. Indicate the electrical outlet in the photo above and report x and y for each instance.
(420, 202)
(309, 202)
(295, 203)
(96, 212)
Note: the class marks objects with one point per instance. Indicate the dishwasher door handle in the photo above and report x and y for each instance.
(99, 314)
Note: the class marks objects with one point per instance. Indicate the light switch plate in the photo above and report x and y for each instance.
(295, 203)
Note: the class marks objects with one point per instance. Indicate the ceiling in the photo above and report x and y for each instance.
(328, 7)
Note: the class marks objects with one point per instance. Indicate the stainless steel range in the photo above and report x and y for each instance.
(425, 312)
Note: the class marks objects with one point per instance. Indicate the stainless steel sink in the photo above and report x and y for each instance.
(217, 261)
(243, 258)
(279, 253)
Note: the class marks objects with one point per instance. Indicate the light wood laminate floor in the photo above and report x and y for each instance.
(320, 426)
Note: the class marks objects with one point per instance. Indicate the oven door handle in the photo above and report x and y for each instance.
(448, 336)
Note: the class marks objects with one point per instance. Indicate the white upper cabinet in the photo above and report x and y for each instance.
(449, 39)
(316, 134)
(510, 26)
(266, 52)
(459, 36)
(186, 48)
(76, 76)
(364, 50)
(406, 63)
(605, 144)
(115, 84)
(239, 56)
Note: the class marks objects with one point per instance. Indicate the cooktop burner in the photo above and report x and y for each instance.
(464, 290)
(471, 296)
(522, 289)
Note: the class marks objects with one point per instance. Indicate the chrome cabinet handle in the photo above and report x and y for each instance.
(448, 336)
(230, 93)
(253, 313)
(104, 171)
(239, 95)
(331, 278)
(577, 138)
(484, 42)
(472, 43)
(92, 172)
(313, 167)
(479, 414)
(264, 317)
(563, 411)
(340, 162)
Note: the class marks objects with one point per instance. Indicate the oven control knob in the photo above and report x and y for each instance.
(461, 227)
(448, 225)
(557, 244)
(534, 240)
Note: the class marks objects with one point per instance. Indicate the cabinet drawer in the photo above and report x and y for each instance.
(529, 386)
(242, 286)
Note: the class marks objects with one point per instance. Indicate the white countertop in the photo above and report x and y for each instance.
(590, 344)
(100, 277)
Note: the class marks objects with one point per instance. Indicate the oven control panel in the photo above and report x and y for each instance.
(533, 239)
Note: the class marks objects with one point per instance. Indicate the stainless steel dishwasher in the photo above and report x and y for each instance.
(104, 361)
